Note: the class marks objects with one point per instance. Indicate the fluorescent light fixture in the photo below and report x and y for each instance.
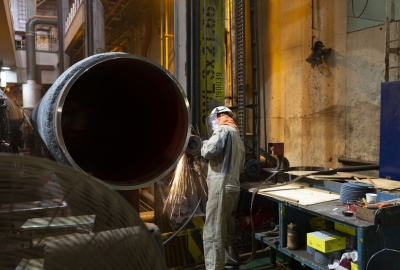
(5, 68)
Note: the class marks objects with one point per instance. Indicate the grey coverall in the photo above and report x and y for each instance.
(225, 152)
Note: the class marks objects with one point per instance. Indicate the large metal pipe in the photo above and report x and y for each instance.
(31, 91)
(119, 117)
(31, 44)
(356, 162)
(358, 168)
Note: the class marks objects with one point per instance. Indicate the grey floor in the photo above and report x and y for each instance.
(259, 262)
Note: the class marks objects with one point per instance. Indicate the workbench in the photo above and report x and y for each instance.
(372, 237)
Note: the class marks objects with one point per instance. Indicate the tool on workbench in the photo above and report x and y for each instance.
(350, 208)
(377, 205)
(364, 201)
(347, 213)
(358, 203)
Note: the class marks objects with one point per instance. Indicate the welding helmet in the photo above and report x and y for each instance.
(212, 119)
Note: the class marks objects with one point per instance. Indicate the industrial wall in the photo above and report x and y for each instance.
(321, 113)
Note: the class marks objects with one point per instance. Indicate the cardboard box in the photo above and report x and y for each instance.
(384, 216)
(326, 241)
(366, 214)
(346, 229)
(319, 224)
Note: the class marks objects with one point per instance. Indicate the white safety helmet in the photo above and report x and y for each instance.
(212, 119)
(222, 109)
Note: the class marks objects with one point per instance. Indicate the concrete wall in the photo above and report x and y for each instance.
(322, 113)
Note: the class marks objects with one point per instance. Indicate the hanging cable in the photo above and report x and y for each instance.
(385, 249)
(352, 6)
(186, 222)
(195, 131)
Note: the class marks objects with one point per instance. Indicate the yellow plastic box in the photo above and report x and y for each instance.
(354, 266)
(346, 229)
(326, 241)
(319, 223)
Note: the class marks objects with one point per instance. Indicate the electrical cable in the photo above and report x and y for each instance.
(186, 222)
(352, 6)
(385, 249)
(197, 132)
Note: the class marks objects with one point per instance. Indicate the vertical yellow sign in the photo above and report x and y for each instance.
(212, 58)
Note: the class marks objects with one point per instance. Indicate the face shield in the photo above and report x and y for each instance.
(211, 123)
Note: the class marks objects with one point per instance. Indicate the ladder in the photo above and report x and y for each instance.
(254, 9)
(241, 69)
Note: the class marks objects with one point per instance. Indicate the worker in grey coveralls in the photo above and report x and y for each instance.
(225, 152)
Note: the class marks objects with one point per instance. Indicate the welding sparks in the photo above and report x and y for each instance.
(187, 172)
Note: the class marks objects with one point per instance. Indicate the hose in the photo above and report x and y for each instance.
(186, 222)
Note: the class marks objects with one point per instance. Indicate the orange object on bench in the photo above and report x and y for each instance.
(377, 205)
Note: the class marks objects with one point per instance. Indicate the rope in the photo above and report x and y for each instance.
(353, 191)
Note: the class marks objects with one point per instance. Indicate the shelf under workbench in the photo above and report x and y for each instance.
(372, 237)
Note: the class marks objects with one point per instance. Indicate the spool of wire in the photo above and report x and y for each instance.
(353, 191)
(327, 258)
(310, 250)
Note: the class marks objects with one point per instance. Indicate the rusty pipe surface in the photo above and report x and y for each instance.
(119, 117)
